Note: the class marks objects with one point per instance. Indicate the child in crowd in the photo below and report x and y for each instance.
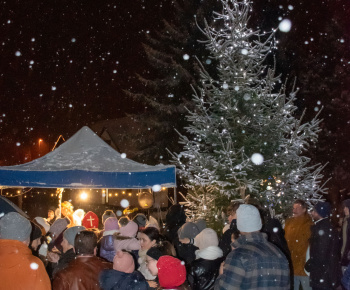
(123, 275)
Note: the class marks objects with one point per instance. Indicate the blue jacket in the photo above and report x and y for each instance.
(255, 263)
(107, 248)
(113, 280)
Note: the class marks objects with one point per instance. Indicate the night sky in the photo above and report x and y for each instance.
(65, 64)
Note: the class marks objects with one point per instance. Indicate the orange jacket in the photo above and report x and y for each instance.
(297, 234)
(19, 269)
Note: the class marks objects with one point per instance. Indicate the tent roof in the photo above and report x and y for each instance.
(86, 161)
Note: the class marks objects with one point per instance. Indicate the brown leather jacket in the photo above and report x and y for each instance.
(81, 274)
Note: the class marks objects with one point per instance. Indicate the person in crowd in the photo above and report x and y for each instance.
(225, 241)
(141, 221)
(345, 235)
(345, 280)
(203, 272)
(324, 262)
(255, 263)
(43, 225)
(272, 227)
(78, 216)
(90, 221)
(51, 215)
(123, 275)
(164, 248)
(19, 269)
(83, 272)
(174, 219)
(107, 214)
(297, 233)
(123, 221)
(68, 252)
(172, 273)
(35, 239)
(186, 251)
(67, 212)
(149, 237)
(107, 250)
(126, 239)
(56, 233)
(201, 224)
(152, 222)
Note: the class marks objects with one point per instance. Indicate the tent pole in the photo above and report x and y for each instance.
(175, 196)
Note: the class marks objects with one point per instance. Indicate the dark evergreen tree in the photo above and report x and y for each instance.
(165, 89)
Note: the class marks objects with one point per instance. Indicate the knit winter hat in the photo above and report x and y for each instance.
(70, 233)
(153, 223)
(123, 262)
(43, 224)
(36, 232)
(14, 226)
(248, 218)
(171, 272)
(111, 223)
(206, 238)
(140, 219)
(58, 227)
(155, 253)
(188, 230)
(201, 224)
(130, 230)
(323, 209)
(107, 214)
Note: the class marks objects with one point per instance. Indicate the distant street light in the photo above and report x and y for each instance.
(40, 140)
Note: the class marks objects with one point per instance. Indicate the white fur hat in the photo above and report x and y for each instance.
(248, 218)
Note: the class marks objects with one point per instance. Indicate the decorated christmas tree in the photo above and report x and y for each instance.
(244, 136)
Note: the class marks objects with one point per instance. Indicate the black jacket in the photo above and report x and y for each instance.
(225, 241)
(202, 273)
(63, 262)
(324, 262)
(185, 252)
(345, 257)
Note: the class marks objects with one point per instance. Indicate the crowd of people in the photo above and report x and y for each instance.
(254, 251)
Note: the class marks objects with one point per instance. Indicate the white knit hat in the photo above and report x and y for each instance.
(206, 238)
(248, 218)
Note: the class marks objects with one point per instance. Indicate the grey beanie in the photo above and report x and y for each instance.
(70, 233)
(14, 226)
(248, 218)
(201, 224)
(188, 230)
(58, 227)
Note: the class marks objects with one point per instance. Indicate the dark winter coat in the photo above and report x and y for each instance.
(345, 259)
(345, 281)
(275, 234)
(113, 280)
(185, 252)
(174, 219)
(202, 273)
(324, 265)
(63, 262)
(107, 248)
(225, 241)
